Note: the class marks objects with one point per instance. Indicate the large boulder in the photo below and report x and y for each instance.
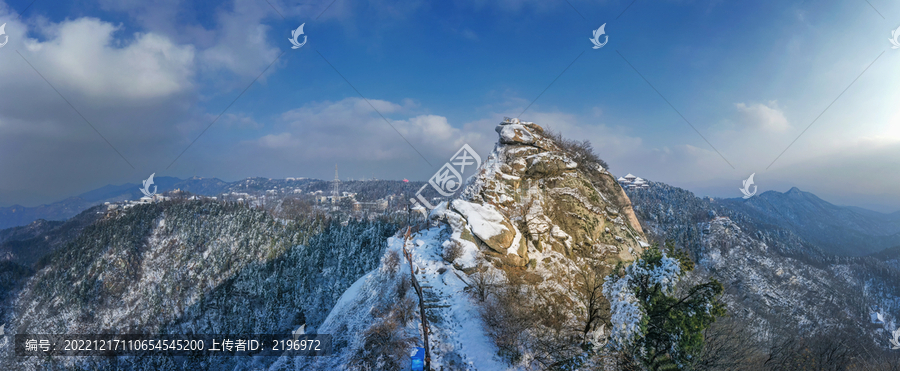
(514, 134)
(488, 224)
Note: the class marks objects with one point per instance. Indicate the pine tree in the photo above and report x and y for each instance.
(654, 321)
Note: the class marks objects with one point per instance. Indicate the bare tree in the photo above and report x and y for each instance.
(385, 344)
(531, 327)
(729, 345)
(453, 251)
(482, 283)
(837, 349)
(588, 290)
(582, 152)
(385, 347)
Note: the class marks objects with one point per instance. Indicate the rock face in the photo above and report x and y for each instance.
(487, 224)
(540, 200)
(514, 134)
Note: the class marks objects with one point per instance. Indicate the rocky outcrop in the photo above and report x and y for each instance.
(551, 202)
(532, 222)
(514, 134)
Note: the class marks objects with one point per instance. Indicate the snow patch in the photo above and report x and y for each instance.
(485, 221)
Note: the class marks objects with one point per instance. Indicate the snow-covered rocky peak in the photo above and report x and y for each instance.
(532, 218)
(530, 198)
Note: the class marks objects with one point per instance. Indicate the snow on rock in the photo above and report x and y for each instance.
(487, 224)
(468, 253)
(514, 134)
(548, 164)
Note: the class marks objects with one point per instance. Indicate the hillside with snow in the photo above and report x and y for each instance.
(787, 293)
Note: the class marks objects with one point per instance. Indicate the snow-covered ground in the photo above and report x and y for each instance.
(457, 337)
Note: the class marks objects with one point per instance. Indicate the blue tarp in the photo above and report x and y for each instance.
(418, 360)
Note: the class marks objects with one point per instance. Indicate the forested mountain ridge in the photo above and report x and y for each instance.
(785, 292)
(27, 244)
(367, 190)
(203, 265)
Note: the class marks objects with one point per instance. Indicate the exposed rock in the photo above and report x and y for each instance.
(535, 128)
(543, 193)
(532, 216)
(487, 224)
(514, 134)
(547, 164)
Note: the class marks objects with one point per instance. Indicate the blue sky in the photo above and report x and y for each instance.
(749, 76)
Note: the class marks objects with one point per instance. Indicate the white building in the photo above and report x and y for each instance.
(631, 181)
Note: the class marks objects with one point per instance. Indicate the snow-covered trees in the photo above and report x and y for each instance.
(655, 322)
(201, 267)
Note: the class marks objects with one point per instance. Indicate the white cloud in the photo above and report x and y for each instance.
(232, 120)
(311, 139)
(241, 45)
(350, 129)
(81, 57)
(278, 141)
(237, 42)
(765, 116)
(130, 88)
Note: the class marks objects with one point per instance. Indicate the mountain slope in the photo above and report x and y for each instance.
(835, 229)
(191, 267)
(781, 284)
(27, 244)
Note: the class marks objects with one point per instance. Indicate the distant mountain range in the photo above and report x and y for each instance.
(789, 265)
(18, 215)
(27, 244)
(838, 230)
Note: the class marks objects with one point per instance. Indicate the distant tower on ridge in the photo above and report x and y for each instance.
(336, 188)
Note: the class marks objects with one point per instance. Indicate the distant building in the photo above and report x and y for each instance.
(377, 206)
(633, 182)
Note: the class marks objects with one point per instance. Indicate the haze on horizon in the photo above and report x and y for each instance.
(151, 77)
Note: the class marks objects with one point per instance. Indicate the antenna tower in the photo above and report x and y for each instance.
(335, 190)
